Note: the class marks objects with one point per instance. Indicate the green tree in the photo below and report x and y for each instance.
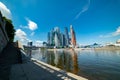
(9, 29)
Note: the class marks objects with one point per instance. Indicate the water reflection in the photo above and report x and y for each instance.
(98, 64)
(75, 61)
(66, 60)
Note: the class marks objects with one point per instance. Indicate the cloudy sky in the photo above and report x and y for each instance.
(93, 20)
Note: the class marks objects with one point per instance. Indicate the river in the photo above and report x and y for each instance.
(92, 64)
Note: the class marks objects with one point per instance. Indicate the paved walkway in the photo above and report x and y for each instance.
(31, 71)
(37, 70)
(9, 56)
(11, 68)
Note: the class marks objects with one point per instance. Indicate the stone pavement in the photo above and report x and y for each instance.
(32, 69)
(9, 56)
(15, 65)
(35, 70)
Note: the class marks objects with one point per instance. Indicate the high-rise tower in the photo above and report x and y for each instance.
(48, 38)
(57, 43)
(66, 37)
(63, 43)
(73, 37)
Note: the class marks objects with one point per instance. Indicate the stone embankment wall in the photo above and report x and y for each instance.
(3, 36)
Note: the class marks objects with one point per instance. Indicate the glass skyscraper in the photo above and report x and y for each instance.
(58, 39)
(66, 37)
(73, 37)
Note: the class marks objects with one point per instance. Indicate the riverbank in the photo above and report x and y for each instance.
(80, 49)
(12, 68)
(95, 63)
(32, 69)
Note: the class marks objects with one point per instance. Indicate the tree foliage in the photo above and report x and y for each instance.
(9, 29)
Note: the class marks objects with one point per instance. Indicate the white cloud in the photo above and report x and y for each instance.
(20, 33)
(5, 11)
(31, 25)
(21, 36)
(117, 32)
(84, 9)
(38, 43)
(113, 34)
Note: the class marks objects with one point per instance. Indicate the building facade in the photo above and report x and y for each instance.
(30, 44)
(67, 42)
(73, 36)
(57, 39)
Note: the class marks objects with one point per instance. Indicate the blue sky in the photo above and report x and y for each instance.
(93, 20)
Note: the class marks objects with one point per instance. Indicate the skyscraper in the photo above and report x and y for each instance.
(56, 29)
(66, 36)
(73, 37)
(48, 38)
(30, 44)
(51, 38)
(58, 39)
(63, 43)
(57, 43)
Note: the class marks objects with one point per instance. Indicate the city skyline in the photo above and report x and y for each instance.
(58, 39)
(93, 21)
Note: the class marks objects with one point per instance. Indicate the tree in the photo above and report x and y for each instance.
(9, 29)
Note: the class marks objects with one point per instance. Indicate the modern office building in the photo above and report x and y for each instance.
(48, 37)
(63, 40)
(52, 34)
(30, 44)
(56, 29)
(58, 39)
(57, 42)
(73, 37)
(66, 37)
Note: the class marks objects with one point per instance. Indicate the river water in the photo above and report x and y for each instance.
(92, 64)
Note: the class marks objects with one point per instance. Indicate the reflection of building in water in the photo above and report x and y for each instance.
(62, 60)
(66, 60)
(43, 53)
(57, 56)
(50, 57)
(75, 62)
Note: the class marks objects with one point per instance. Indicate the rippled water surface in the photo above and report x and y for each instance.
(93, 64)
